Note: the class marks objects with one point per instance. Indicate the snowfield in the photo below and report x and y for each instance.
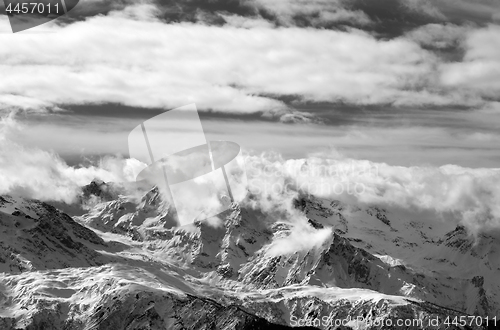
(124, 264)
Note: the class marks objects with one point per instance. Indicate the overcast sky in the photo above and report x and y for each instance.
(407, 82)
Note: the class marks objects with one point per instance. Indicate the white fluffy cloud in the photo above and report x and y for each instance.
(468, 196)
(35, 173)
(301, 238)
(479, 72)
(132, 58)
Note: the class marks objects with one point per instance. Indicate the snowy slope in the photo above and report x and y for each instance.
(34, 235)
(466, 268)
(371, 248)
(136, 270)
(113, 297)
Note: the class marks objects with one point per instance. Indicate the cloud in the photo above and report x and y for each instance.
(492, 108)
(302, 237)
(39, 174)
(315, 13)
(243, 65)
(455, 11)
(145, 65)
(394, 136)
(16, 103)
(440, 36)
(130, 57)
(468, 196)
(479, 11)
(426, 7)
(464, 195)
(479, 72)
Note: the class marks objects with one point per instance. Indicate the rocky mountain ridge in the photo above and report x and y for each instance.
(227, 271)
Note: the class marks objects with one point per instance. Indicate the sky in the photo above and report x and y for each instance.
(408, 84)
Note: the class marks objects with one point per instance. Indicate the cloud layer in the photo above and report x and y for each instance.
(255, 57)
(40, 174)
(131, 57)
(479, 72)
(463, 195)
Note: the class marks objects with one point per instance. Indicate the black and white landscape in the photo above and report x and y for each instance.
(119, 266)
(366, 193)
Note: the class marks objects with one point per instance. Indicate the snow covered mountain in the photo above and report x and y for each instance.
(58, 274)
(126, 265)
(36, 236)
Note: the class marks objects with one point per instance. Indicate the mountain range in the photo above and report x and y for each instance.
(119, 261)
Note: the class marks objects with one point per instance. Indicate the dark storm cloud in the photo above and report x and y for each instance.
(169, 11)
(389, 18)
(395, 17)
(386, 18)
